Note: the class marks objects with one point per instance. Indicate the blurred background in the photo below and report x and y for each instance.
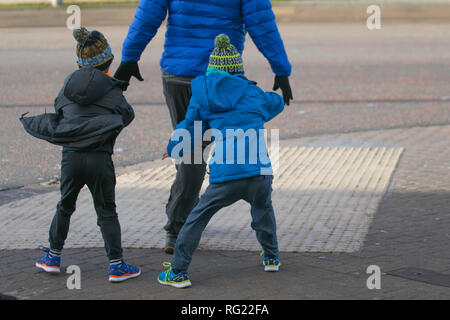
(346, 77)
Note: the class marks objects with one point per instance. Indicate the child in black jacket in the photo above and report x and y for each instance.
(90, 113)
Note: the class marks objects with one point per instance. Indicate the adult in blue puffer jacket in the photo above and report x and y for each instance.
(191, 29)
(224, 100)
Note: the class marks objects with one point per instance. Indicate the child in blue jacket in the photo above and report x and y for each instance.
(234, 109)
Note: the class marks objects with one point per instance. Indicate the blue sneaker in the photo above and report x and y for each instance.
(122, 273)
(47, 263)
(271, 264)
(170, 278)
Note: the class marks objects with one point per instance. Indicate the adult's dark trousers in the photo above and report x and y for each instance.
(96, 170)
(184, 193)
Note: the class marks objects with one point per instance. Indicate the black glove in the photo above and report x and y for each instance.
(126, 70)
(282, 82)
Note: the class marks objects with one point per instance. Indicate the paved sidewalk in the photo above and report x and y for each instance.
(395, 217)
(325, 198)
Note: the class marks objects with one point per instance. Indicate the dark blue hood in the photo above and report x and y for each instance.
(88, 85)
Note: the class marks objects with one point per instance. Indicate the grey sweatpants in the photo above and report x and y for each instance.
(256, 191)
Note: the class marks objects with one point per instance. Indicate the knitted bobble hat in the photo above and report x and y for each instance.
(92, 49)
(225, 57)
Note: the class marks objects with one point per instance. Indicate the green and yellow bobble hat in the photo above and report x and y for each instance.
(92, 49)
(225, 57)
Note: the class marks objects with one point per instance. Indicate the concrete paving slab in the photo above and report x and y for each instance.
(324, 198)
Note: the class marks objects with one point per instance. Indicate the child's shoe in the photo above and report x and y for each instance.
(49, 263)
(170, 278)
(271, 264)
(122, 272)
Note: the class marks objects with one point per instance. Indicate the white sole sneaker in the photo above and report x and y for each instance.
(48, 269)
(124, 277)
(176, 285)
(272, 268)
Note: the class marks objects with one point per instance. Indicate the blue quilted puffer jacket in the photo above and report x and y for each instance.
(192, 26)
(237, 109)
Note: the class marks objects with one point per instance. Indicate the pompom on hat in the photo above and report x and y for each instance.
(93, 49)
(225, 56)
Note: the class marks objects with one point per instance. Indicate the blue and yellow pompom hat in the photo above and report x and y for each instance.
(92, 49)
(225, 57)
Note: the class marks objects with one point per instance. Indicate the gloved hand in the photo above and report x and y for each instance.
(282, 82)
(126, 70)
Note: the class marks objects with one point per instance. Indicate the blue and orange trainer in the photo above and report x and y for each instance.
(122, 272)
(49, 263)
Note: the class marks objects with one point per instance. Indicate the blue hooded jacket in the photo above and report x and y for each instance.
(235, 110)
(192, 26)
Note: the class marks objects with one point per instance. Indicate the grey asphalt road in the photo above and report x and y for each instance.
(345, 78)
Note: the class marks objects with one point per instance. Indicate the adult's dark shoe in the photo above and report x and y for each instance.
(171, 239)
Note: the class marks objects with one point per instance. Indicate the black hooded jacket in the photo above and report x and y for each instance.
(90, 113)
